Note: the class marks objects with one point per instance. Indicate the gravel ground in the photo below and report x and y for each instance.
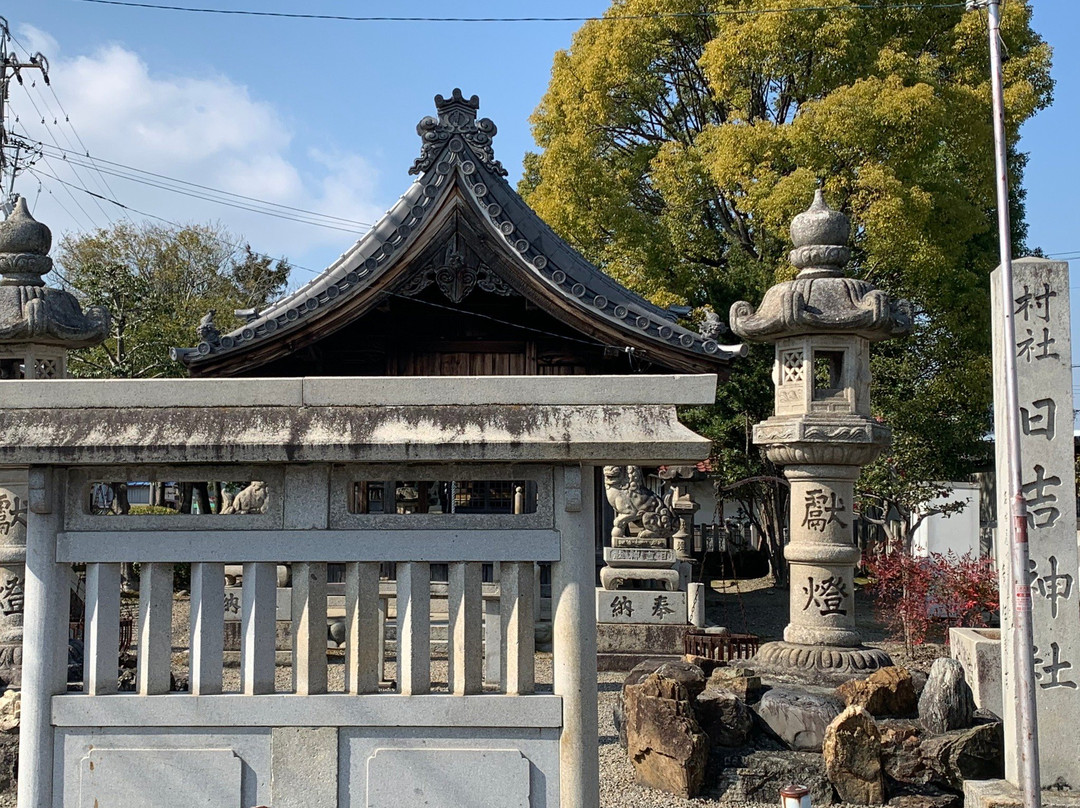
(751, 606)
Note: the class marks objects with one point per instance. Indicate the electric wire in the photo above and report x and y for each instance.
(70, 154)
(613, 17)
(235, 247)
(103, 183)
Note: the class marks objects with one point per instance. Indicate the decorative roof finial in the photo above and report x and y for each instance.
(456, 126)
(30, 311)
(820, 235)
(24, 248)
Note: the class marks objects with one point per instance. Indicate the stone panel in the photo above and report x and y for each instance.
(149, 778)
(464, 778)
(640, 606)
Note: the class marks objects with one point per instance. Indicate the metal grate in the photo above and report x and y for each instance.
(721, 647)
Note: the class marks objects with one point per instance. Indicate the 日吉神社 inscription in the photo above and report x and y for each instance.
(1042, 349)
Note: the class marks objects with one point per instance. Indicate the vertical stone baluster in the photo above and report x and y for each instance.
(492, 642)
(414, 627)
(101, 637)
(207, 627)
(363, 619)
(574, 637)
(464, 646)
(309, 627)
(155, 628)
(518, 634)
(257, 619)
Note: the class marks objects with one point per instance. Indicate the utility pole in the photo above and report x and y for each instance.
(1024, 662)
(11, 66)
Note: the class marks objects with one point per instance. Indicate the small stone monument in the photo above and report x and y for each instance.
(38, 326)
(641, 605)
(822, 324)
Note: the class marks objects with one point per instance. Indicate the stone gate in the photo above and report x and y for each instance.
(309, 442)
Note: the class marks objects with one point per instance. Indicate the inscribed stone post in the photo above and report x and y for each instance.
(1042, 347)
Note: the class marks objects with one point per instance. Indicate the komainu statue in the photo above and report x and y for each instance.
(634, 504)
(251, 500)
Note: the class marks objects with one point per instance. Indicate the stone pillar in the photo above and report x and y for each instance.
(38, 325)
(821, 324)
(1044, 382)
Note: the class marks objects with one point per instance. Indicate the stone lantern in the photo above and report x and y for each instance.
(38, 326)
(822, 433)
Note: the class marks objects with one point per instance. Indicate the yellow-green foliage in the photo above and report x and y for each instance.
(675, 151)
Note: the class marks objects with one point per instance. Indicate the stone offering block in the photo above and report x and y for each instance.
(979, 651)
(640, 606)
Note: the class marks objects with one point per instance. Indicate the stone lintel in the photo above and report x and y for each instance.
(346, 391)
(226, 434)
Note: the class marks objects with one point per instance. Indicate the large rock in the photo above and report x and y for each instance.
(901, 752)
(10, 709)
(885, 692)
(930, 798)
(968, 754)
(761, 775)
(798, 717)
(852, 751)
(664, 741)
(9, 763)
(691, 676)
(946, 702)
(724, 717)
(743, 682)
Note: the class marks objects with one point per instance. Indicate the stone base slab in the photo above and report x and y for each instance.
(627, 662)
(620, 646)
(1003, 794)
(815, 664)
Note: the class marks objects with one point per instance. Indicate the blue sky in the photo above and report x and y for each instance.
(321, 115)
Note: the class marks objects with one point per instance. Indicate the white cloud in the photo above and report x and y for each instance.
(37, 40)
(209, 131)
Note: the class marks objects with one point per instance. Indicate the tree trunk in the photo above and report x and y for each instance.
(120, 498)
(185, 497)
(216, 489)
(201, 496)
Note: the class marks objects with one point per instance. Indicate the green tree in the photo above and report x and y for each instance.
(680, 137)
(157, 283)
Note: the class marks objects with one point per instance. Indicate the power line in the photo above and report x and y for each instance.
(256, 200)
(42, 174)
(613, 17)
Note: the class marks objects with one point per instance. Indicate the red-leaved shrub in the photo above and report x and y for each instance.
(913, 596)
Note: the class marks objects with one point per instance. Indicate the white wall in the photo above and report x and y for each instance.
(958, 533)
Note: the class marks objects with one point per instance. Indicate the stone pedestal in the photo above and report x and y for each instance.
(623, 564)
(822, 433)
(13, 510)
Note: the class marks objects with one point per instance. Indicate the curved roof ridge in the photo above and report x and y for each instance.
(457, 151)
